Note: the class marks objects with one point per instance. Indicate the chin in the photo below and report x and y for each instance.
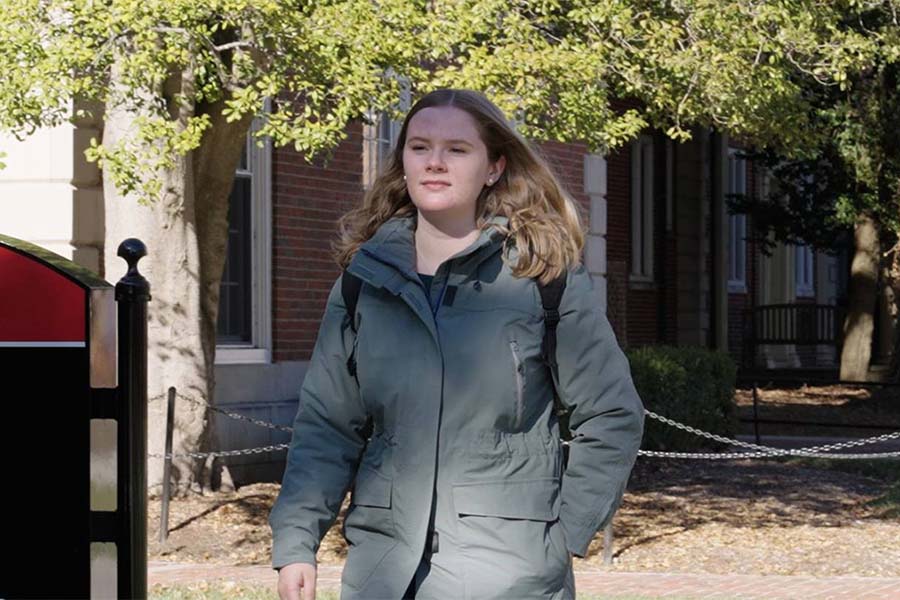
(434, 205)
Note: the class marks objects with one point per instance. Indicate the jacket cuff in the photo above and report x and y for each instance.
(578, 538)
(580, 533)
(286, 551)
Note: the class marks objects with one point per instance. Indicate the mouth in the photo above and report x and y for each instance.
(435, 185)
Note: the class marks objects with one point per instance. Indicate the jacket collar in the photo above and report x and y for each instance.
(394, 244)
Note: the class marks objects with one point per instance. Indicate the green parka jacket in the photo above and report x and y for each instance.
(465, 441)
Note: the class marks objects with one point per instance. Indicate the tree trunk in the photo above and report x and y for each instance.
(889, 196)
(892, 281)
(859, 323)
(186, 234)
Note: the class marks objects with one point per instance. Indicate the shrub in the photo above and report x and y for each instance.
(691, 385)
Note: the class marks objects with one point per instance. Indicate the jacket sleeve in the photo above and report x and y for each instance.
(325, 445)
(606, 415)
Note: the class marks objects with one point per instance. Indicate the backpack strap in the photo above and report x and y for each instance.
(551, 297)
(350, 286)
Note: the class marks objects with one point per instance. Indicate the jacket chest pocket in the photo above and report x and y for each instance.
(519, 379)
(526, 376)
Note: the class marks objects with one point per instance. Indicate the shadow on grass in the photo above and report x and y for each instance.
(841, 405)
(253, 507)
(678, 496)
(887, 504)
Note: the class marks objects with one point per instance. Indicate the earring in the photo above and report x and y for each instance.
(404, 178)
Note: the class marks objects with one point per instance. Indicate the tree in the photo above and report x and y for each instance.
(848, 185)
(179, 81)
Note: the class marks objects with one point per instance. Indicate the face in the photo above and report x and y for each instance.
(446, 163)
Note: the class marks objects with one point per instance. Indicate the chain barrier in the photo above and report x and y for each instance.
(823, 451)
(755, 450)
(201, 455)
(232, 415)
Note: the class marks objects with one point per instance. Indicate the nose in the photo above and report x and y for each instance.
(435, 161)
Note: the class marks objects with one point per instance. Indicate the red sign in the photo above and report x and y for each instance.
(38, 305)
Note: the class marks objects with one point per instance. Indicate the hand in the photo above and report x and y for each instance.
(297, 578)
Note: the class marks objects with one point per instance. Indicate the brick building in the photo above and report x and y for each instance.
(673, 266)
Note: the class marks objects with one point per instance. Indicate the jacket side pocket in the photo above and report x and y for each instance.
(370, 511)
(514, 525)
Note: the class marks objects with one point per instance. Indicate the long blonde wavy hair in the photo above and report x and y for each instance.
(544, 224)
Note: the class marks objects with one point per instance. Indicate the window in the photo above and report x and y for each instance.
(380, 136)
(235, 305)
(737, 225)
(243, 330)
(803, 271)
(642, 209)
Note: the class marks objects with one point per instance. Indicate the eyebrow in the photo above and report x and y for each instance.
(421, 139)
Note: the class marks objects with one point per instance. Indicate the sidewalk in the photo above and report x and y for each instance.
(607, 584)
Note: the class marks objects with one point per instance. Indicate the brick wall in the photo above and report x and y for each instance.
(307, 200)
(567, 162)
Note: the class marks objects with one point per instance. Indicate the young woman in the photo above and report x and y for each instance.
(436, 402)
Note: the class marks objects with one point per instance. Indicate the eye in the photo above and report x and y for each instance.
(458, 150)
(417, 147)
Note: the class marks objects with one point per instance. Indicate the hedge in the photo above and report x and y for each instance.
(689, 384)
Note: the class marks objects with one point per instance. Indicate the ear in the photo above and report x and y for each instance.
(498, 167)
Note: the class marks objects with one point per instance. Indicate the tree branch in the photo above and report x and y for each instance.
(231, 46)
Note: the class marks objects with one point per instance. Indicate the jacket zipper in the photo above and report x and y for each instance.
(440, 298)
(519, 370)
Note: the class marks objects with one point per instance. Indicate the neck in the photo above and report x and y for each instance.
(437, 240)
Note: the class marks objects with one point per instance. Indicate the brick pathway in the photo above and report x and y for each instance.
(607, 584)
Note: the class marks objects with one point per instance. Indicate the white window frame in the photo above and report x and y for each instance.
(642, 209)
(259, 350)
(737, 225)
(804, 271)
(380, 135)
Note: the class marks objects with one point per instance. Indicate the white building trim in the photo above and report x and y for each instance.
(642, 237)
(595, 186)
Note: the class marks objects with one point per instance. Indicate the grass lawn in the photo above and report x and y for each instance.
(231, 591)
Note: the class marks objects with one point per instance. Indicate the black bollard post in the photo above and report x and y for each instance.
(167, 468)
(756, 413)
(132, 295)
